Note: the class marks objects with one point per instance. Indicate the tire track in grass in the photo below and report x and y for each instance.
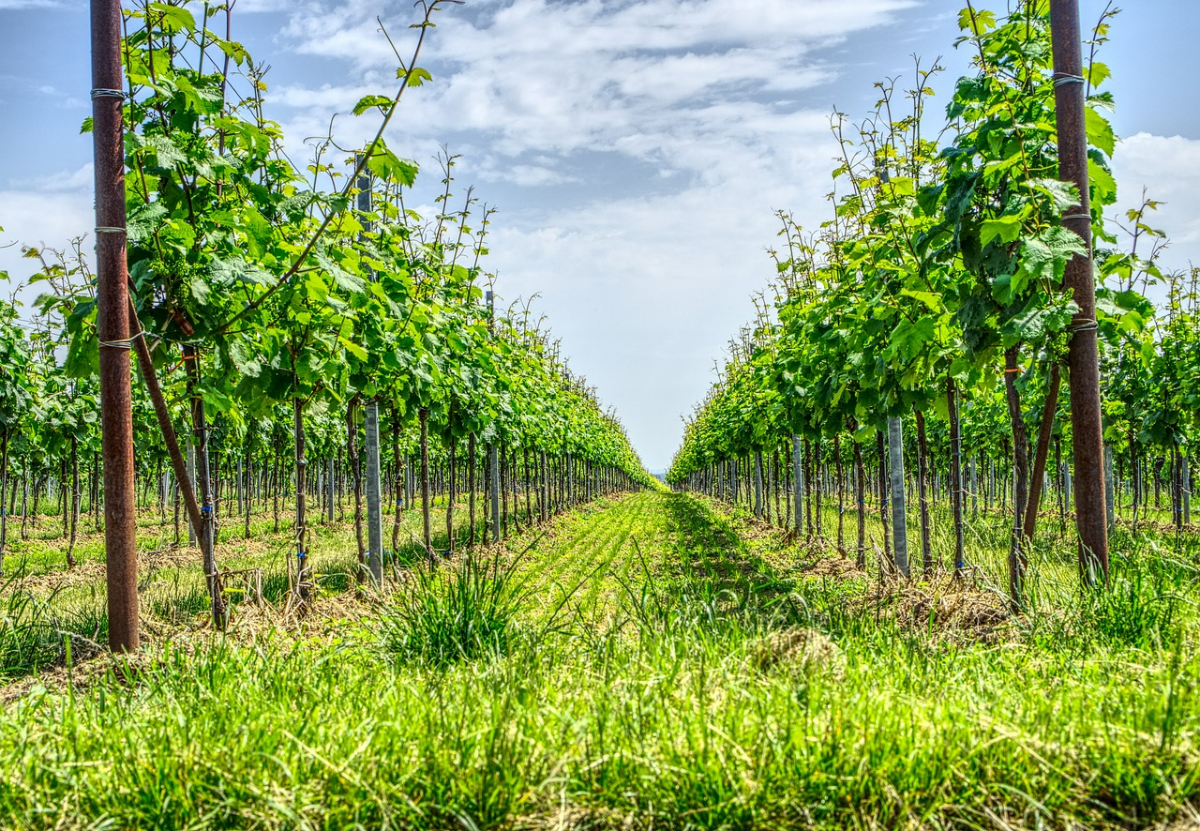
(581, 562)
(599, 558)
(548, 568)
(546, 575)
(600, 585)
(595, 555)
(622, 563)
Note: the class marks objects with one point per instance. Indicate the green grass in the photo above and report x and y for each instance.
(47, 603)
(444, 616)
(35, 632)
(628, 689)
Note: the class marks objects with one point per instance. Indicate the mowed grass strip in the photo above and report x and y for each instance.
(672, 713)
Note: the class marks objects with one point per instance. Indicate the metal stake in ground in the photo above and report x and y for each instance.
(331, 488)
(1086, 427)
(374, 504)
(493, 460)
(193, 540)
(896, 478)
(1187, 488)
(758, 484)
(112, 326)
(798, 482)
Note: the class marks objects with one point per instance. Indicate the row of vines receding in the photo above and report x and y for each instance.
(927, 319)
(281, 312)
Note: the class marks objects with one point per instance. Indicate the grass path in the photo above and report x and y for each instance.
(601, 558)
(704, 675)
(42, 602)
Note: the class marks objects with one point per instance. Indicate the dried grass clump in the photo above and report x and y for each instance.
(581, 818)
(91, 663)
(251, 623)
(53, 581)
(1188, 820)
(945, 605)
(840, 567)
(800, 651)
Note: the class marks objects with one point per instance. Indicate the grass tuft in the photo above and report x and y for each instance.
(454, 614)
(1139, 608)
(653, 664)
(34, 635)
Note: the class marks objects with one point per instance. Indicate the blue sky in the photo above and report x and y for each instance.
(636, 149)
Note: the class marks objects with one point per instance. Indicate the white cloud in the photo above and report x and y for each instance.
(258, 6)
(65, 100)
(1168, 168)
(530, 175)
(541, 76)
(78, 182)
(49, 213)
(647, 291)
(720, 107)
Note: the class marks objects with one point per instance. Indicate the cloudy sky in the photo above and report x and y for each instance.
(636, 149)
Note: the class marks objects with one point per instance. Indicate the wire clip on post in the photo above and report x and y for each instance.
(1061, 79)
(127, 343)
(108, 93)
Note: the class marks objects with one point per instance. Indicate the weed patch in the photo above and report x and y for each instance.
(461, 612)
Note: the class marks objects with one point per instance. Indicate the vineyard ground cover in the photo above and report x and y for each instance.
(1052, 579)
(653, 680)
(46, 604)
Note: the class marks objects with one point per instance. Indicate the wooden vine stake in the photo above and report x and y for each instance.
(1186, 490)
(1083, 358)
(112, 327)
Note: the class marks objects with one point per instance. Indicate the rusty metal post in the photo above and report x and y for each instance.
(112, 325)
(1042, 454)
(1086, 426)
